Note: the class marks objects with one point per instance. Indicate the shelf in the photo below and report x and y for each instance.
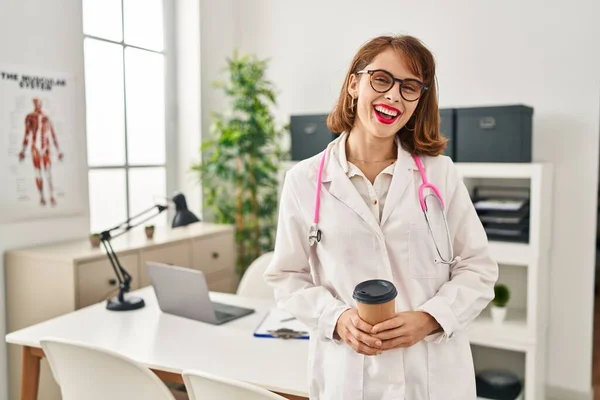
(510, 253)
(498, 170)
(485, 398)
(520, 397)
(512, 334)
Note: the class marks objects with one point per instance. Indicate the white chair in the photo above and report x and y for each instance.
(84, 372)
(253, 283)
(203, 386)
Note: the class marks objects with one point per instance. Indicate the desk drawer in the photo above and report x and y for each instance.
(225, 286)
(96, 280)
(214, 253)
(225, 281)
(175, 254)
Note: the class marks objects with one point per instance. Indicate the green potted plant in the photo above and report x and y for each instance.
(501, 298)
(95, 240)
(241, 159)
(149, 229)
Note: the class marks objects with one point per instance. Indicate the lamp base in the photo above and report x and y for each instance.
(128, 304)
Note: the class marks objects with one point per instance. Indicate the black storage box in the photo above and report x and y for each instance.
(448, 129)
(310, 135)
(494, 134)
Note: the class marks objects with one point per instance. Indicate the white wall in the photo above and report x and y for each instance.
(205, 34)
(541, 53)
(46, 35)
(187, 107)
(218, 37)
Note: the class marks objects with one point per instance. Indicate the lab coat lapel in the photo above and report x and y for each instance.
(403, 176)
(339, 185)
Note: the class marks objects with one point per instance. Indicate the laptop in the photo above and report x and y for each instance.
(184, 292)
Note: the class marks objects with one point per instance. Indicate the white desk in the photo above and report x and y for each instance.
(169, 345)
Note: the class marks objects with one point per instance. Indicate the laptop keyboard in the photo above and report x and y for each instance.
(222, 315)
(221, 311)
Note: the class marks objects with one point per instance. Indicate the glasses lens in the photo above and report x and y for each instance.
(381, 81)
(411, 90)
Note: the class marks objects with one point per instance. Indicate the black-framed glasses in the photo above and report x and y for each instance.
(382, 81)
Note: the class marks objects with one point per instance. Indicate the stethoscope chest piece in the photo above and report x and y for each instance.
(314, 234)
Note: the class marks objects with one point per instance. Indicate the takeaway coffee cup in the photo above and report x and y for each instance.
(376, 300)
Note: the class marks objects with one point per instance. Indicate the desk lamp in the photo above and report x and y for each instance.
(183, 217)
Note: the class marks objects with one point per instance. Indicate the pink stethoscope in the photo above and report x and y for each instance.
(315, 234)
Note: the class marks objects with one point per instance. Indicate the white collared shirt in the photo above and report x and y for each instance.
(374, 194)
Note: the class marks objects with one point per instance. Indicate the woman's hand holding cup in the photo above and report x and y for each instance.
(405, 329)
(356, 333)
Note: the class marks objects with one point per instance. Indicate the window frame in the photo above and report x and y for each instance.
(168, 52)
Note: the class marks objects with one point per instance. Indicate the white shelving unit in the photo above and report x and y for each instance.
(525, 329)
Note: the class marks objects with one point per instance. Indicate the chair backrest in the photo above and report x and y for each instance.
(201, 386)
(84, 372)
(253, 283)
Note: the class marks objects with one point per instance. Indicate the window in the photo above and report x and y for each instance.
(125, 82)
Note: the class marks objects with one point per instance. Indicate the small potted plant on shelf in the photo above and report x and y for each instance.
(149, 231)
(501, 297)
(95, 240)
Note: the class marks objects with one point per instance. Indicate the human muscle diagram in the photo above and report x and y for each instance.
(39, 130)
(38, 169)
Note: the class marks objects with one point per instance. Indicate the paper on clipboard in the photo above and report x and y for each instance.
(281, 324)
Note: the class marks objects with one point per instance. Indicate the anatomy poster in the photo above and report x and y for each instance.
(38, 167)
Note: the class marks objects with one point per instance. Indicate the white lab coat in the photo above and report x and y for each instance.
(315, 284)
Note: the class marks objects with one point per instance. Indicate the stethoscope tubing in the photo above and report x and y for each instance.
(315, 234)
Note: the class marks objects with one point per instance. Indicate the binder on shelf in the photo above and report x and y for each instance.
(514, 205)
(507, 235)
(506, 192)
(504, 212)
(505, 217)
(281, 324)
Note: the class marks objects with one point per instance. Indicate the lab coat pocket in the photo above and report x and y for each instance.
(423, 259)
(450, 369)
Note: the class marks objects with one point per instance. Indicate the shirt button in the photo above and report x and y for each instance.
(374, 202)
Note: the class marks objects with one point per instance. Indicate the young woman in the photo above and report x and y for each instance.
(355, 213)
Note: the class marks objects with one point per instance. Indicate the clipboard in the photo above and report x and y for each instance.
(281, 325)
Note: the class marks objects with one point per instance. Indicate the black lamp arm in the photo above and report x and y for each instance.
(122, 275)
(105, 237)
(126, 226)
